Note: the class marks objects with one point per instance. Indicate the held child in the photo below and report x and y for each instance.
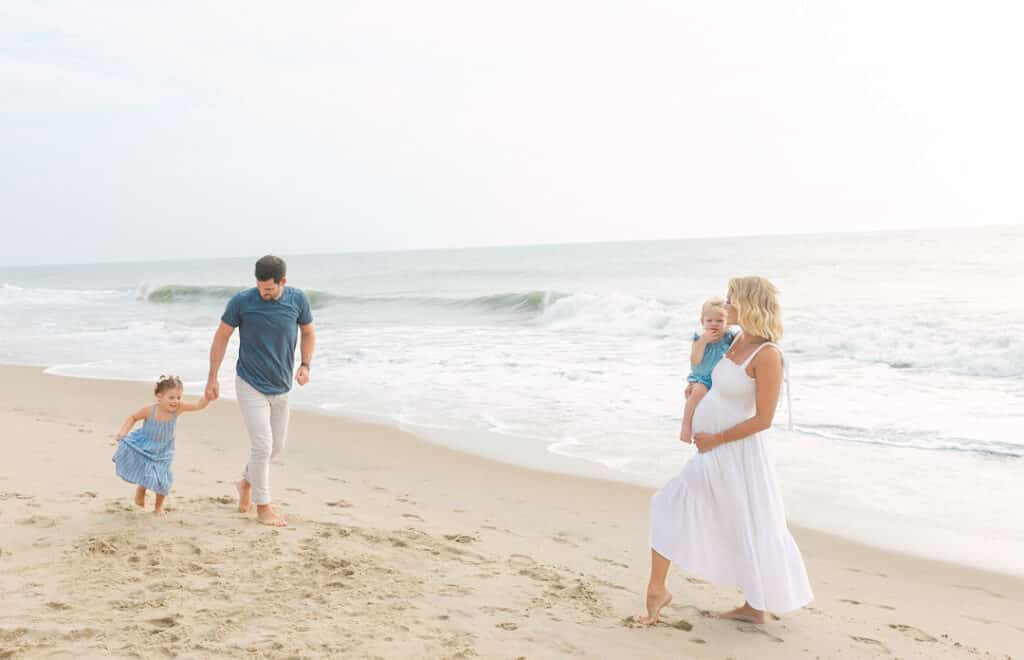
(144, 456)
(707, 350)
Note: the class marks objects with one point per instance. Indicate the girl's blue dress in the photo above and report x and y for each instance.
(145, 455)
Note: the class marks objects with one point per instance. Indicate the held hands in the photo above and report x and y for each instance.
(707, 441)
(302, 375)
(212, 392)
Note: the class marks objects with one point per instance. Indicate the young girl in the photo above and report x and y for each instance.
(144, 456)
(707, 350)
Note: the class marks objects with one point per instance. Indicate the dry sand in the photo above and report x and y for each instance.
(400, 548)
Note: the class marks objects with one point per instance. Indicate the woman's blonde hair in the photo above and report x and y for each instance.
(757, 307)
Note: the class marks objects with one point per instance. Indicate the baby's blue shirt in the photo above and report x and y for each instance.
(712, 354)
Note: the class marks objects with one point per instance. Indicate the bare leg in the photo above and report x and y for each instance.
(744, 613)
(159, 508)
(266, 515)
(658, 595)
(140, 496)
(244, 489)
(686, 433)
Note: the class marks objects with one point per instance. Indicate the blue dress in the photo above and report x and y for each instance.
(712, 354)
(144, 456)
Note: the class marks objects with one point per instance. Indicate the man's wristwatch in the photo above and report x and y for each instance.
(304, 364)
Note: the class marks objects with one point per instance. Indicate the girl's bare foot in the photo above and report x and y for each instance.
(244, 489)
(744, 613)
(158, 507)
(266, 516)
(159, 512)
(655, 601)
(140, 496)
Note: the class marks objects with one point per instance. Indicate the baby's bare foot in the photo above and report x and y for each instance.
(244, 489)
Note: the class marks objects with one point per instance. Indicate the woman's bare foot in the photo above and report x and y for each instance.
(140, 496)
(655, 601)
(266, 516)
(744, 613)
(244, 489)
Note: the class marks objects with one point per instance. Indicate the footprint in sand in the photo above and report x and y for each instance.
(37, 521)
(871, 643)
(165, 622)
(508, 625)
(413, 516)
(460, 538)
(612, 562)
(981, 589)
(755, 630)
(296, 490)
(918, 634)
(89, 493)
(341, 504)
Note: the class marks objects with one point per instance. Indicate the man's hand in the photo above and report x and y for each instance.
(706, 441)
(302, 375)
(212, 392)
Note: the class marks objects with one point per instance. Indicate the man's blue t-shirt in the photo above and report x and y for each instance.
(268, 331)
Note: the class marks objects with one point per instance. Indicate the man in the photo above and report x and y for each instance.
(269, 318)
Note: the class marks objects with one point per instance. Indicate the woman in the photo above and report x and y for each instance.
(722, 517)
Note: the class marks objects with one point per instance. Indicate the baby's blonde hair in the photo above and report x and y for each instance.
(710, 305)
(757, 308)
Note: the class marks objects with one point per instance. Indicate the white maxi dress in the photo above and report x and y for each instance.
(722, 518)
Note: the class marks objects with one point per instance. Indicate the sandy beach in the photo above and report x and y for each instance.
(400, 548)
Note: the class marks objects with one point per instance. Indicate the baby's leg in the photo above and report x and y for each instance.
(140, 496)
(159, 508)
(686, 433)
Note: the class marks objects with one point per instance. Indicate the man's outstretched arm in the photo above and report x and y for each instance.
(217, 350)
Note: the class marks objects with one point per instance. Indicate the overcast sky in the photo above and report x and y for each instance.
(176, 129)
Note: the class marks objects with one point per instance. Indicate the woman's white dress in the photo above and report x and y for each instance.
(722, 517)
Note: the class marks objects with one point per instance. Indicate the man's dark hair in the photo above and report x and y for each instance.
(270, 268)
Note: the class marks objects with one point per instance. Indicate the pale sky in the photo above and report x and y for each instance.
(139, 130)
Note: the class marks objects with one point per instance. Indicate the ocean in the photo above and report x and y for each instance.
(906, 352)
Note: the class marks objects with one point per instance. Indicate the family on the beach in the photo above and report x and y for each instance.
(721, 518)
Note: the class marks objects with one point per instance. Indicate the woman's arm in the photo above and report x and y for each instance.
(767, 367)
(136, 416)
(192, 407)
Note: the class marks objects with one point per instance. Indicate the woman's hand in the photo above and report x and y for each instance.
(706, 441)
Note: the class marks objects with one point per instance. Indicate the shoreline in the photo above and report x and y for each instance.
(534, 454)
(402, 546)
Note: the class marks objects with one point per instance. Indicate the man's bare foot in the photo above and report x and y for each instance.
(244, 489)
(744, 613)
(655, 601)
(266, 516)
(140, 496)
(686, 434)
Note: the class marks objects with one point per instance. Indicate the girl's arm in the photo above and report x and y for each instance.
(192, 407)
(136, 416)
(768, 384)
(697, 351)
